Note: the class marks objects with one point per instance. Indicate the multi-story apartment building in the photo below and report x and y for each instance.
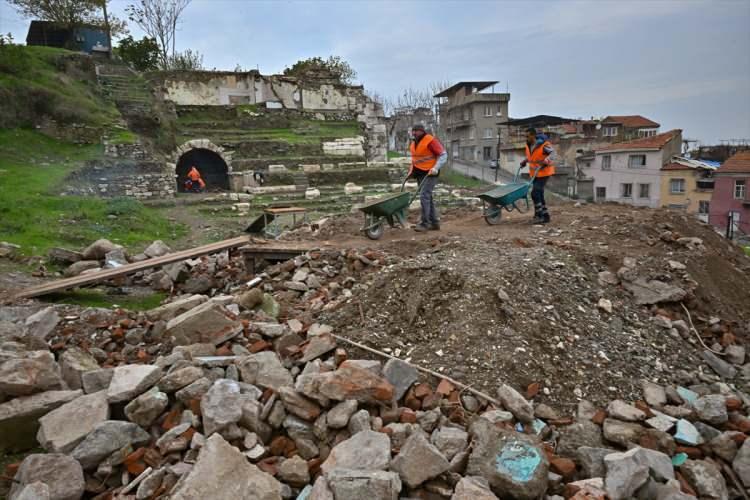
(469, 119)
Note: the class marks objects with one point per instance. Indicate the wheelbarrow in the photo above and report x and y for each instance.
(512, 196)
(391, 209)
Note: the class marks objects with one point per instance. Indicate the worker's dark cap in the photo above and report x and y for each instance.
(531, 130)
(418, 127)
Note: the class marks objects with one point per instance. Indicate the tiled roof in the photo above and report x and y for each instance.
(631, 121)
(680, 163)
(657, 141)
(676, 166)
(739, 163)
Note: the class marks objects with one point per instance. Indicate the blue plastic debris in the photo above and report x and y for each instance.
(686, 433)
(539, 426)
(686, 394)
(305, 493)
(518, 460)
(679, 459)
(519, 427)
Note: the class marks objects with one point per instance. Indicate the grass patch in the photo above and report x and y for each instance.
(458, 179)
(123, 137)
(747, 250)
(46, 81)
(395, 154)
(300, 131)
(99, 298)
(32, 213)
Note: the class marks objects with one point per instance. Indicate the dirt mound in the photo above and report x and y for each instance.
(526, 309)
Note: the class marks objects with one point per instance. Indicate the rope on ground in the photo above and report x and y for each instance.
(692, 327)
(455, 382)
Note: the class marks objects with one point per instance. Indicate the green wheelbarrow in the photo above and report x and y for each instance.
(391, 209)
(512, 196)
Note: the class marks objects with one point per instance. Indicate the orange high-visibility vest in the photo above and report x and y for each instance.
(194, 175)
(421, 156)
(535, 161)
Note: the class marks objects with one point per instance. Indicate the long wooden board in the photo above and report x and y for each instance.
(105, 274)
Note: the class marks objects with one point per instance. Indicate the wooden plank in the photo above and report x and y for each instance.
(89, 278)
(285, 210)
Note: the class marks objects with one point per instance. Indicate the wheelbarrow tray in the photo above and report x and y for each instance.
(506, 194)
(388, 205)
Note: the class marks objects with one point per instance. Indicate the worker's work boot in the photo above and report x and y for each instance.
(421, 228)
(435, 226)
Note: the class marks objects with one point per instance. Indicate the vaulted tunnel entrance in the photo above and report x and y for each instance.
(212, 167)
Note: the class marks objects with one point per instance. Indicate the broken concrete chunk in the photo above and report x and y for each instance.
(741, 463)
(62, 429)
(513, 464)
(98, 249)
(177, 379)
(352, 382)
(221, 405)
(173, 309)
(264, 369)
(711, 409)
(221, 471)
(625, 474)
(365, 484)
(450, 440)
(156, 249)
(623, 411)
(73, 364)
(144, 409)
(367, 450)
(129, 381)
(418, 461)
(61, 474)
(706, 479)
(515, 403)
(401, 375)
(42, 324)
(318, 346)
(208, 322)
(297, 404)
(34, 371)
(720, 366)
(338, 417)
(106, 438)
(654, 291)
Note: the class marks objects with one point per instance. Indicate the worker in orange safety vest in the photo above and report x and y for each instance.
(427, 158)
(194, 177)
(538, 151)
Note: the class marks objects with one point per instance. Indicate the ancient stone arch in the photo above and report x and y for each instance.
(214, 163)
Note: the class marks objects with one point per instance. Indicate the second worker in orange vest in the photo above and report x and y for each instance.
(427, 158)
(538, 150)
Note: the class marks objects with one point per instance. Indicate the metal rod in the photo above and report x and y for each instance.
(425, 370)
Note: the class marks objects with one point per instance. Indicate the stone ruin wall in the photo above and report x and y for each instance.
(321, 97)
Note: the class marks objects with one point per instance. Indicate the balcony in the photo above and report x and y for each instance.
(460, 101)
(459, 124)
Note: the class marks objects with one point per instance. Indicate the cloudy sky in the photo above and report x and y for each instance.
(683, 63)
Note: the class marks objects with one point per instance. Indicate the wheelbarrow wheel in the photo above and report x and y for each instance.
(493, 214)
(375, 232)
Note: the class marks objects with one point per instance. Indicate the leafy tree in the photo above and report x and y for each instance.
(70, 13)
(142, 54)
(159, 19)
(334, 67)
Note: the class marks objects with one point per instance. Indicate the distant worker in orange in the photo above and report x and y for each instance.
(538, 151)
(427, 158)
(195, 182)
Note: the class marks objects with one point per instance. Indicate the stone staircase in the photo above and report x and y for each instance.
(128, 90)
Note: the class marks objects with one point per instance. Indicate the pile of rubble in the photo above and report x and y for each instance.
(270, 410)
(585, 379)
(101, 254)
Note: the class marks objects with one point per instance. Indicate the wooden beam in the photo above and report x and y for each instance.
(106, 274)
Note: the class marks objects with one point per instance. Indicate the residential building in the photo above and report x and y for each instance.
(625, 128)
(688, 184)
(469, 120)
(400, 123)
(730, 203)
(630, 172)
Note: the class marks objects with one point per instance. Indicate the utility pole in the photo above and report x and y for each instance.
(106, 27)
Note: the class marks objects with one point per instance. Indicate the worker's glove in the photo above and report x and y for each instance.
(433, 171)
(523, 163)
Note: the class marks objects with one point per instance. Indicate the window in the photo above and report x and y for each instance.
(627, 190)
(646, 132)
(739, 190)
(609, 131)
(488, 109)
(643, 190)
(607, 162)
(487, 153)
(636, 161)
(472, 132)
(677, 186)
(703, 207)
(601, 193)
(487, 133)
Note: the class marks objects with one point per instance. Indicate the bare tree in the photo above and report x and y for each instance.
(159, 19)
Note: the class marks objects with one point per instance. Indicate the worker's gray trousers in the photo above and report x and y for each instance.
(430, 214)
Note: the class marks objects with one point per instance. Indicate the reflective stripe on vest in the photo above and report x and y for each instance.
(421, 156)
(535, 160)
